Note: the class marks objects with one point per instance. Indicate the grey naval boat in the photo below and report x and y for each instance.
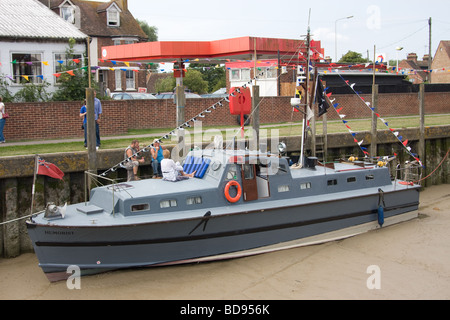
(240, 203)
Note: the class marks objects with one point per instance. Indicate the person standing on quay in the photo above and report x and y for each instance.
(83, 115)
(98, 112)
(2, 120)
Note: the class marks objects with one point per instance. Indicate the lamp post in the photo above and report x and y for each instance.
(398, 49)
(335, 35)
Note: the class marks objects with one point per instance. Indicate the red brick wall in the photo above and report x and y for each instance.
(55, 120)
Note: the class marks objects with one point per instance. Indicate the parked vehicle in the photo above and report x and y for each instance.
(132, 96)
(171, 95)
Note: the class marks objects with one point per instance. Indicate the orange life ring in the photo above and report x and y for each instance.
(227, 191)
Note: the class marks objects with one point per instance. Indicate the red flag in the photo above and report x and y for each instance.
(49, 169)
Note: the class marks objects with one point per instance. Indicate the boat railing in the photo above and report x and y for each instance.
(410, 172)
(95, 179)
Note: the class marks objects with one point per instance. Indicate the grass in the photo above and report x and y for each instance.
(146, 136)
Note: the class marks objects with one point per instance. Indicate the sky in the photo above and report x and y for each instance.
(388, 25)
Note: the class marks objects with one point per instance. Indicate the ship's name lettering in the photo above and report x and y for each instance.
(59, 233)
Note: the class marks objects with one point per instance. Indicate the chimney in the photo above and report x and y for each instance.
(124, 5)
(412, 56)
(426, 58)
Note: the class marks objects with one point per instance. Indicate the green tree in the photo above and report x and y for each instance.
(33, 93)
(215, 76)
(353, 57)
(72, 87)
(4, 91)
(166, 84)
(150, 31)
(193, 81)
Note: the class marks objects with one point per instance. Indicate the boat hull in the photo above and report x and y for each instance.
(213, 236)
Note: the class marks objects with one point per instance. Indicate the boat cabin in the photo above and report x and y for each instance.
(226, 178)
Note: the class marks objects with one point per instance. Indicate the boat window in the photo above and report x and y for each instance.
(232, 173)
(351, 179)
(332, 182)
(370, 177)
(140, 207)
(284, 188)
(168, 203)
(248, 172)
(305, 185)
(193, 200)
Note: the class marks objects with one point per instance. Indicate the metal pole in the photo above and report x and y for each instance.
(429, 47)
(422, 122)
(34, 183)
(373, 143)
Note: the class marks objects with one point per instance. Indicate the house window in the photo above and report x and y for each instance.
(68, 13)
(272, 73)
(63, 63)
(118, 80)
(240, 74)
(245, 74)
(27, 65)
(131, 85)
(235, 74)
(113, 16)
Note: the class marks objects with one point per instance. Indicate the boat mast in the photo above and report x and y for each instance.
(308, 50)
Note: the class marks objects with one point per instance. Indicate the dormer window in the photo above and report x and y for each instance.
(68, 13)
(113, 16)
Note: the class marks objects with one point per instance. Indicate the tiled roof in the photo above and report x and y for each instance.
(93, 19)
(31, 19)
(93, 22)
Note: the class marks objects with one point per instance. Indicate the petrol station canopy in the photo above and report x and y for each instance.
(218, 51)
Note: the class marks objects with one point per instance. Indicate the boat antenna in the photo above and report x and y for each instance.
(308, 62)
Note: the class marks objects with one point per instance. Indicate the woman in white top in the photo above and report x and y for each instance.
(173, 171)
(2, 121)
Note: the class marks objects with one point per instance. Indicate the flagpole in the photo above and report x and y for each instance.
(308, 43)
(34, 183)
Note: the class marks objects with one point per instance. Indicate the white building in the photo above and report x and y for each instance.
(32, 41)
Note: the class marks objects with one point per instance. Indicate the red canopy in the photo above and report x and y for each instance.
(242, 48)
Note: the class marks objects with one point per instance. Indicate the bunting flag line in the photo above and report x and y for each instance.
(333, 67)
(186, 124)
(395, 133)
